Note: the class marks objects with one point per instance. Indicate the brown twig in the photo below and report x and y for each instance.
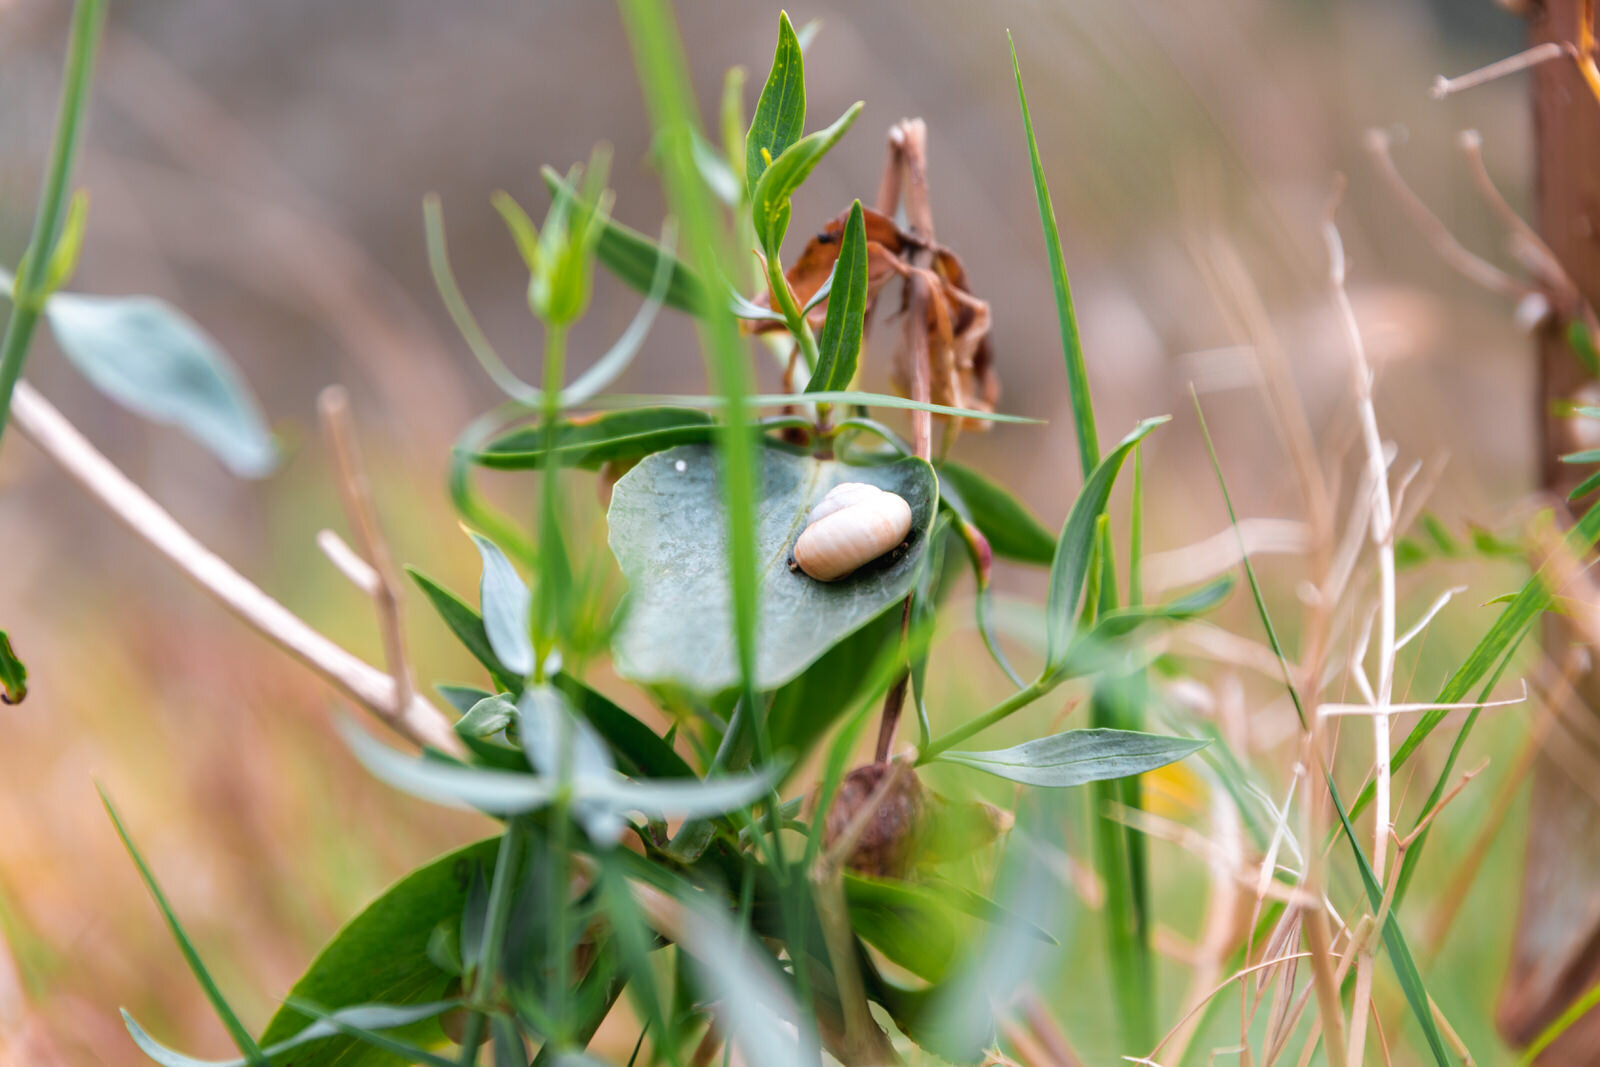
(356, 492)
(1436, 233)
(418, 720)
(1526, 244)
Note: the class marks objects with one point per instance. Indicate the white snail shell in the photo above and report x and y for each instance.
(851, 526)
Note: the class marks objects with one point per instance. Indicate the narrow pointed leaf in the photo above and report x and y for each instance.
(1011, 529)
(467, 625)
(1075, 547)
(1071, 343)
(1072, 758)
(769, 202)
(506, 603)
(780, 117)
(840, 343)
(230, 1021)
(13, 673)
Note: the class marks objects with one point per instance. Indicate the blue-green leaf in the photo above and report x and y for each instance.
(506, 602)
(152, 359)
(1078, 756)
(364, 1017)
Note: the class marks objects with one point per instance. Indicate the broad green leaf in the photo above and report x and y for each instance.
(840, 342)
(13, 673)
(152, 359)
(382, 955)
(1010, 528)
(230, 1021)
(804, 709)
(500, 792)
(669, 537)
(506, 603)
(780, 117)
(468, 627)
(635, 258)
(769, 202)
(369, 1018)
(591, 441)
(1078, 756)
(1075, 546)
(1071, 343)
(915, 928)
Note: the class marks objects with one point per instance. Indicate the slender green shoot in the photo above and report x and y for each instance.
(230, 1020)
(29, 287)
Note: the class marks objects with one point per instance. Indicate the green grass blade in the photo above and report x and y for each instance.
(1075, 547)
(1575, 1011)
(1071, 343)
(1405, 966)
(236, 1030)
(1512, 625)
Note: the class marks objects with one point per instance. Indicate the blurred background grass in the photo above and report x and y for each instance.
(263, 166)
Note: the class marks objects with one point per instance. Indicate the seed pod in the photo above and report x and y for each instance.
(892, 835)
(851, 526)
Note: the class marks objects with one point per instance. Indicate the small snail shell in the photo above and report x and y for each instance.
(851, 526)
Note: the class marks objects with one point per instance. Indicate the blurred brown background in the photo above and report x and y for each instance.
(262, 166)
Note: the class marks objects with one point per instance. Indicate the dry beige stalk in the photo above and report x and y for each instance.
(373, 689)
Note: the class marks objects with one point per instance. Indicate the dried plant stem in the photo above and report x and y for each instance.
(1047, 1032)
(418, 721)
(1532, 57)
(1436, 233)
(356, 492)
(906, 173)
(1526, 244)
(1383, 543)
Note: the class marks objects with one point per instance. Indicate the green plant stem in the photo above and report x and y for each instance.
(555, 350)
(1013, 703)
(27, 294)
(494, 932)
(793, 317)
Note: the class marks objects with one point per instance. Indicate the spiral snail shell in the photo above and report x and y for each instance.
(851, 526)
